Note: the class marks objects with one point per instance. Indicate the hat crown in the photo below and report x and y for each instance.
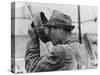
(58, 17)
(60, 20)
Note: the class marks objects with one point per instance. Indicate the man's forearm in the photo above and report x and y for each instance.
(32, 50)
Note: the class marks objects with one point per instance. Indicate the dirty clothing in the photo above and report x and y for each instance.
(67, 56)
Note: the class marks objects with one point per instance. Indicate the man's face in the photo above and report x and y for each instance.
(51, 34)
(55, 34)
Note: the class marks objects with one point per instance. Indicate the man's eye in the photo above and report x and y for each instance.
(94, 42)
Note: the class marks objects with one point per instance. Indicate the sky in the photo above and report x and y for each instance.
(86, 12)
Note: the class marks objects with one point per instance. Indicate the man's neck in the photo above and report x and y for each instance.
(65, 38)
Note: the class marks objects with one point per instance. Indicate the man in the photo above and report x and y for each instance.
(66, 54)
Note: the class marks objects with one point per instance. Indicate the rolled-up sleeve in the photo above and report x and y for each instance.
(32, 50)
(31, 56)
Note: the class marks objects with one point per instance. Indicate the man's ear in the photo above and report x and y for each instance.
(43, 18)
(43, 34)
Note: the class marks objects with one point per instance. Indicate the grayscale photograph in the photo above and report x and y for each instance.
(53, 37)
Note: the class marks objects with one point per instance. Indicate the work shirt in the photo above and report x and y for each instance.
(70, 55)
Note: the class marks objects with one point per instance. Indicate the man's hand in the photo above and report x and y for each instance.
(33, 32)
(34, 41)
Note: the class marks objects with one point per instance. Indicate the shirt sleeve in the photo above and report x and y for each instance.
(31, 56)
(79, 54)
(32, 50)
(50, 62)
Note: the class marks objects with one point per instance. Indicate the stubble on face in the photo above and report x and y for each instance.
(55, 36)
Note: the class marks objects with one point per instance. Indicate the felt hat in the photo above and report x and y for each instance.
(60, 20)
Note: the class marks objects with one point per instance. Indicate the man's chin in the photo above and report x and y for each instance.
(54, 43)
(57, 42)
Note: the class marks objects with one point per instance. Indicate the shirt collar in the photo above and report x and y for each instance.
(70, 39)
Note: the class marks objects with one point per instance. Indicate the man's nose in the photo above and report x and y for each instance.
(41, 29)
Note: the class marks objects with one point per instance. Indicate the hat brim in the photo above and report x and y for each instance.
(66, 27)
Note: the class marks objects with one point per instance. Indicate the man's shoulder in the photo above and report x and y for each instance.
(72, 42)
(73, 45)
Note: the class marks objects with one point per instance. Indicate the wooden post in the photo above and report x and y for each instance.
(79, 25)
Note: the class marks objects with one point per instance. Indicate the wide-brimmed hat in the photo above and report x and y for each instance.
(60, 20)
